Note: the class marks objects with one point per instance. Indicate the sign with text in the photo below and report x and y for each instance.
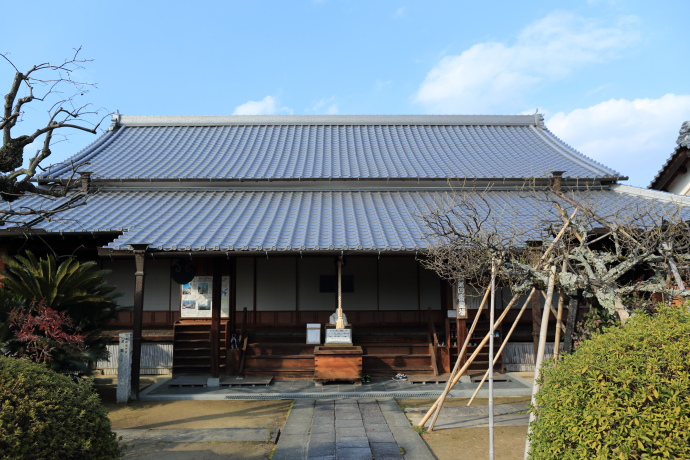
(196, 297)
(338, 335)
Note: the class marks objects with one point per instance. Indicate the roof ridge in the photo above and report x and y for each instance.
(225, 120)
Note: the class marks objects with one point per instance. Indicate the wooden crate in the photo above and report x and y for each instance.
(333, 363)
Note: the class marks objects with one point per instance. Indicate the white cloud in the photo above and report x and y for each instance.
(491, 73)
(634, 137)
(266, 106)
(326, 105)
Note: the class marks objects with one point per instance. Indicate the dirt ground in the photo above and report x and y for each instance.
(200, 451)
(445, 444)
(509, 441)
(198, 415)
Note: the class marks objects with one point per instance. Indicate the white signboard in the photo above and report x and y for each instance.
(338, 335)
(196, 297)
(314, 333)
(461, 306)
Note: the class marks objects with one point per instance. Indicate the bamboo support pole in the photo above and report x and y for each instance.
(436, 407)
(492, 339)
(559, 323)
(540, 353)
(452, 382)
(446, 390)
(505, 342)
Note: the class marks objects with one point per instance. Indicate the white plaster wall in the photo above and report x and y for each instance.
(398, 283)
(310, 271)
(275, 284)
(430, 289)
(160, 292)
(680, 185)
(364, 271)
(245, 283)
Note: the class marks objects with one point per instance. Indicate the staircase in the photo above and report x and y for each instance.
(388, 351)
(192, 347)
(283, 353)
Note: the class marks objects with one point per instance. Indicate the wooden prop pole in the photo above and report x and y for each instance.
(436, 407)
(505, 342)
(452, 382)
(439, 402)
(492, 310)
(555, 313)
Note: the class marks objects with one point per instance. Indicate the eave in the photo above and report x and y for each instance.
(676, 165)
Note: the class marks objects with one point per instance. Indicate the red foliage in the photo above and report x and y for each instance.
(44, 331)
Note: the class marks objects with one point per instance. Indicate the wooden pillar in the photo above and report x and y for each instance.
(139, 261)
(233, 296)
(215, 317)
(298, 317)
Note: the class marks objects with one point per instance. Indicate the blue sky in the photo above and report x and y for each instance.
(611, 77)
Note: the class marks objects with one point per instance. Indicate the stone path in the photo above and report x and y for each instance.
(349, 430)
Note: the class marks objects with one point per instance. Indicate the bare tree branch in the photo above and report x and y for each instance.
(53, 87)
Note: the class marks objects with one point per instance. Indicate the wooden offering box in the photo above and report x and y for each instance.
(337, 363)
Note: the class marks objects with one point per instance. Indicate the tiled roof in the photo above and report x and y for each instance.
(331, 147)
(225, 220)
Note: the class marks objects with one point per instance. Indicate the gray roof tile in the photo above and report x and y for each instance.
(224, 220)
(332, 147)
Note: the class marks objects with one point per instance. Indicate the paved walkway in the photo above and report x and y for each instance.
(338, 421)
(298, 389)
(349, 430)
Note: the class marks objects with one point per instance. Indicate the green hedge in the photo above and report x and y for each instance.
(623, 394)
(45, 415)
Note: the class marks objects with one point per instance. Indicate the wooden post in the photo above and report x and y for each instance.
(139, 261)
(233, 296)
(573, 307)
(215, 317)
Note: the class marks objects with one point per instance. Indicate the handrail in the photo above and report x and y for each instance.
(432, 338)
(227, 335)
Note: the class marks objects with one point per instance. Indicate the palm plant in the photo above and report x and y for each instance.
(76, 288)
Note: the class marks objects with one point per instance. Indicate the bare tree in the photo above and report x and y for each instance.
(610, 252)
(54, 88)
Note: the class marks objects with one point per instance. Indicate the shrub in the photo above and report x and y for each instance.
(45, 415)
(76, 290)
(622, 394)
